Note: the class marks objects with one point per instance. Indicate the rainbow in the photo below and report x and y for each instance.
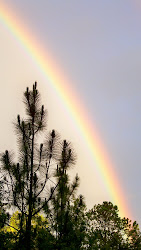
(63, 88)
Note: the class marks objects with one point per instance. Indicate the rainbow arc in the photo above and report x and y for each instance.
(62, 86)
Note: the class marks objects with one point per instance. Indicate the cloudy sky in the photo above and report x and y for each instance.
(97, 45)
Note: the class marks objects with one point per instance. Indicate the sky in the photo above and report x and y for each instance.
(97, 46)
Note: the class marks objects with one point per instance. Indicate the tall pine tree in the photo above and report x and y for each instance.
(26, 182)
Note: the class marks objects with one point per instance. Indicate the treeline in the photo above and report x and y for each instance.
(47, 212)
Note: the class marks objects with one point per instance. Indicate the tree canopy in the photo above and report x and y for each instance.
(48, 212)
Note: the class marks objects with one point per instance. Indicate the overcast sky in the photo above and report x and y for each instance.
(97, 44)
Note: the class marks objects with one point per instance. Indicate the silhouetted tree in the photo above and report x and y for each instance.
(26, 182)
(63, 212)
(40, 182)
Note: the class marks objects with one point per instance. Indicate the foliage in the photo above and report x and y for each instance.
(106, 230)
(104, 227)
(5, 237)
(133, 234)
(26, 182)
(39, 231)
(48, 213)
(65, 223)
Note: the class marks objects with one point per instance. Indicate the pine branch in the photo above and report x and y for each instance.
(45, 203)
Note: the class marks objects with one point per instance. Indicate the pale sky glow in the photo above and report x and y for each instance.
(97, 45)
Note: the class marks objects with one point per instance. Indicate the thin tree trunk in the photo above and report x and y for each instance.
(28, 229)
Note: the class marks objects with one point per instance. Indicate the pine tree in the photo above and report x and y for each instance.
(62, 212)
(26, 182)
